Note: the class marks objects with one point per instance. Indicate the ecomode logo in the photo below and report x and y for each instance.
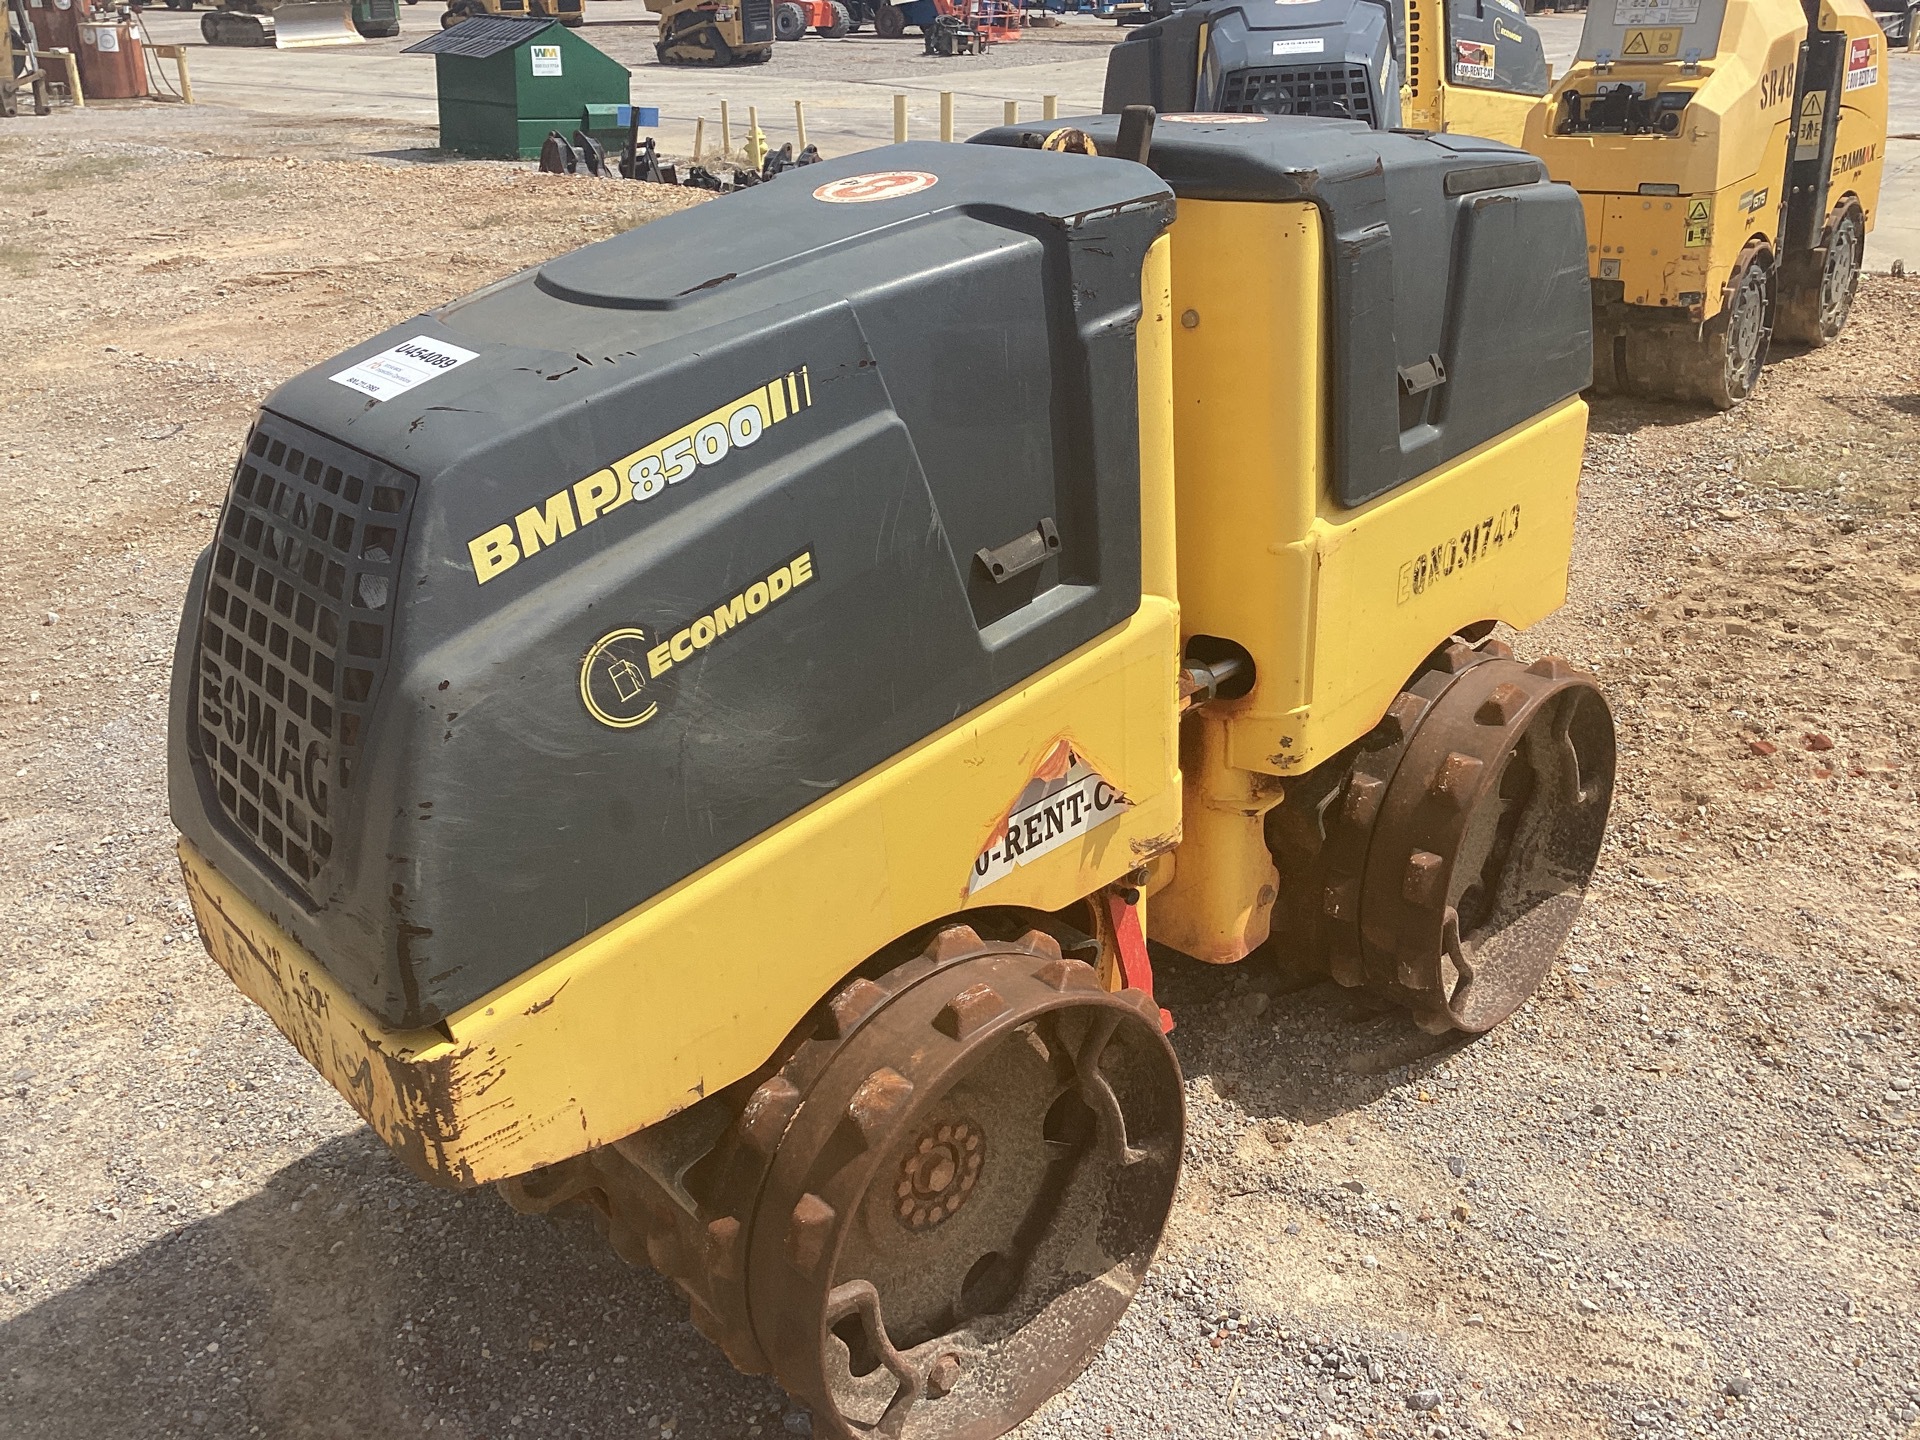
(613, 680)
(624, 678)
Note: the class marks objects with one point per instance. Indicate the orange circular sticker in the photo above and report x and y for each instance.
(880, 185)
(1204, 119)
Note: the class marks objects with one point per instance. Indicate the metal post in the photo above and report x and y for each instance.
(756, 139)
(72, 63)
(1049, 107)
(800, 122)
(899, 119)
(726, 132)
(177, 54)
(946, 116)
(699, 139)
(1011, 112)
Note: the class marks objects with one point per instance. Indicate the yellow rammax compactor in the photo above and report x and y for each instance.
(1728, 152)
(1728, 155)
(728, 784)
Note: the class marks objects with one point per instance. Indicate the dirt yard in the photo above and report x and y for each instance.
(1678, 1195)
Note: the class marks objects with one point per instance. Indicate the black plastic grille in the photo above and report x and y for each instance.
(1338, 92)
(295, 636)
(756, 21)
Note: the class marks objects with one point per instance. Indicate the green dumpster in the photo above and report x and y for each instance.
(504, 82)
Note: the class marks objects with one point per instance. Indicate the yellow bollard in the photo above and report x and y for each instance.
(800, 123)
(699, 140)
(899, 119)
(946, 116)
(1049, 107)
(72, 63)
(726, 133)
(756, 139)
(1011, 112)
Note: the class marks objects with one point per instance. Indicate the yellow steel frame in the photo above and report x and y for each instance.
(1326, 599)
(1430, 101)
(1860, 147)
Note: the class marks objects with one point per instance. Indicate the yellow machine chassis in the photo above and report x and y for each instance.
(1337, 607)
(1723, 176)
(697, 987)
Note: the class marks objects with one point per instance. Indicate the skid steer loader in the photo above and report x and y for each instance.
(1729, 152)
(727, 788)
(571, 13)
(714, 32)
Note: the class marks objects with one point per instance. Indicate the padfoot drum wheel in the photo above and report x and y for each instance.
(967, 1196)
(1459, 847)
(927, 1213)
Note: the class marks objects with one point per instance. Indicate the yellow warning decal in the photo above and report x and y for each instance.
(1699, 222)
(1649, 44)
(1813, 110)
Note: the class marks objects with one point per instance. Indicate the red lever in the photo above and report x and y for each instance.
(1135, 968)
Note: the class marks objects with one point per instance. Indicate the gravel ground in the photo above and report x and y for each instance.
(1678, 1194)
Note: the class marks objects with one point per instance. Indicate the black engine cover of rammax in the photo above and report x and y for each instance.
(475, 665)
(1457, 299)
(1332, 59)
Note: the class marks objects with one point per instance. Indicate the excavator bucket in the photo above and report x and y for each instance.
(305, 23)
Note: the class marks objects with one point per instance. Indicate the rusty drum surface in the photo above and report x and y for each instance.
(113, 63)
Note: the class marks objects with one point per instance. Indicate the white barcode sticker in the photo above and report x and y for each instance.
(396, 371)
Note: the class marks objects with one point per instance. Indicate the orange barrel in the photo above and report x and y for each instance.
(113, 65)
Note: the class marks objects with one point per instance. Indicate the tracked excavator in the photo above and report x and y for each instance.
(727, 787)
(1728, 152)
